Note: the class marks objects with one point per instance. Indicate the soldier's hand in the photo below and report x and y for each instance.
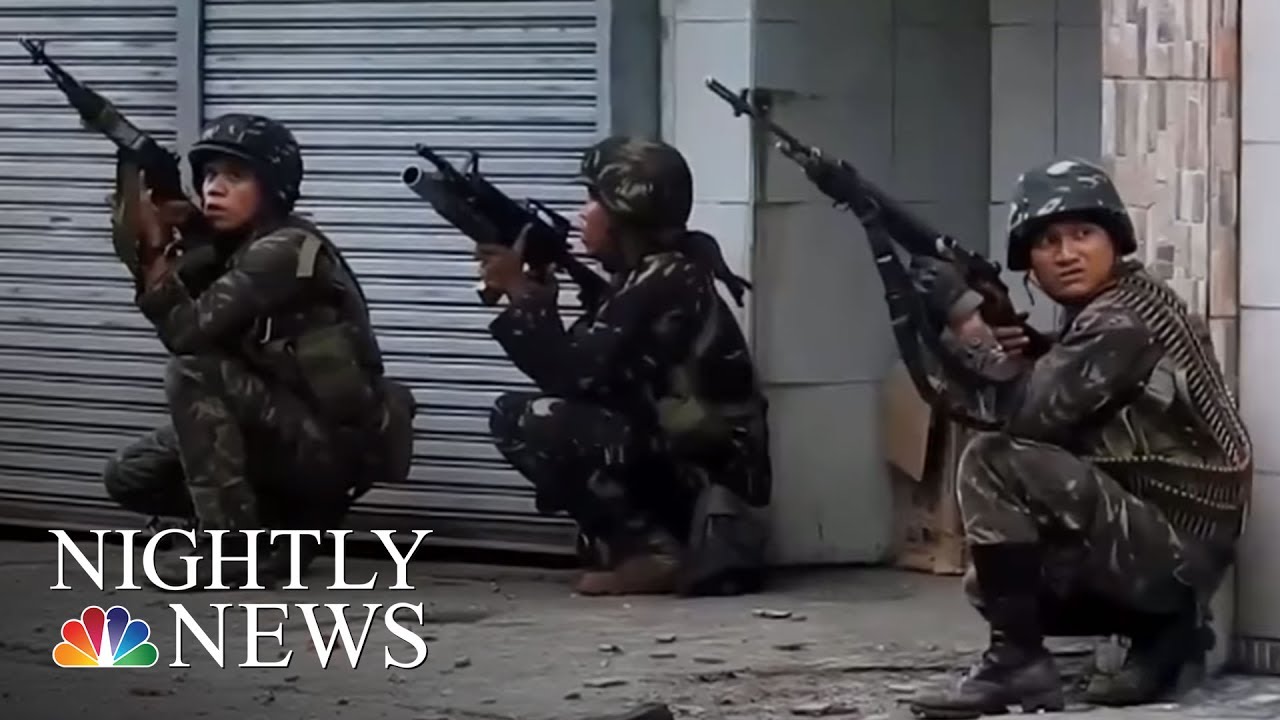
(545, 279)
(1014, 338)
(173, 213)
(150, 227)
(502, 268)
(946, 295)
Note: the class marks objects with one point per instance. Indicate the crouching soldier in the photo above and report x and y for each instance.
(1112, 497)
(279, 412)
(649, 429)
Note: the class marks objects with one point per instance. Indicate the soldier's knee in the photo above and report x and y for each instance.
(113, 479)
(985, 447)
(120, 479)
(523, 417)
(504, 415)
(981, 461)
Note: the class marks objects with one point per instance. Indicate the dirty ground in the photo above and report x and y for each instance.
(515, 643)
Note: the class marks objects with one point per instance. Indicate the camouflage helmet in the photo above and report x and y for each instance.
(645, 183)
(268, 146)
(1060, 188)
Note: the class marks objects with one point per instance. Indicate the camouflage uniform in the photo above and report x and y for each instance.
(1111, 497)
(275, 386)
(651, 396)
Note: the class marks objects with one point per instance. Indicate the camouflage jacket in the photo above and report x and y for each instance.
(1124, 391)
(662, 347)
(287, 306)
(1102, 356)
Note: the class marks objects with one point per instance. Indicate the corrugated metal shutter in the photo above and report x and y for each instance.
(360, 83)
(80, 371)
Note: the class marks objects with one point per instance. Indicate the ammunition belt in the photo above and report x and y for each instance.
(1165, 315)
(1197, 495)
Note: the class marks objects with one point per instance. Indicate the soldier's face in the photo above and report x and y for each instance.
(1073, 260)
(232, 195)
(593, 220)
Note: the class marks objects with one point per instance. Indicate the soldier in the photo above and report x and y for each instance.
(649, 424)
(1111, 498)
(279, 412)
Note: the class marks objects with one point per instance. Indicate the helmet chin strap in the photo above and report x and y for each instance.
(1027, 282)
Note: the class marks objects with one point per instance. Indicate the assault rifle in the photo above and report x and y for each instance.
(841, 182)
(135, 149)
(482, 212)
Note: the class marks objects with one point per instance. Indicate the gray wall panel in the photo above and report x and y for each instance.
(79, 370)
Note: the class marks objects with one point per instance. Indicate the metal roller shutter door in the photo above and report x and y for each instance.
(360, 83)
(80, 369)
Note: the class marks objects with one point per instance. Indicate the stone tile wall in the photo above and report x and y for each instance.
(1170, 134)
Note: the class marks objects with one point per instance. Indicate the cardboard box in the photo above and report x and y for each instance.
(922, 450)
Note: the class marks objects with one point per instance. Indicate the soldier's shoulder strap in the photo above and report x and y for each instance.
(311, 246)
(314, 240)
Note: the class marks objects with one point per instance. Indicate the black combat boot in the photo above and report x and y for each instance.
(173, 570)
(157, 525)
(1166, 658)
(277, 556)
(1016, 668)
(275, 559)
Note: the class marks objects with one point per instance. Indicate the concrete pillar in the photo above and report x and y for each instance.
(901, 90)
(1258, 647)
(830, 66)
(1169, 136)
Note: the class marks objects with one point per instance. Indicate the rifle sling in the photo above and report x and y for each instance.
(909, 321)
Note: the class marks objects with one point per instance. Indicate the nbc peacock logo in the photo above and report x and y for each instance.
(105, 639)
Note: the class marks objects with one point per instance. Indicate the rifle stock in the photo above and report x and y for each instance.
(478, 209)
(841, 182)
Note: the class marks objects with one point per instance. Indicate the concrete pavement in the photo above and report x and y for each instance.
(514, 643)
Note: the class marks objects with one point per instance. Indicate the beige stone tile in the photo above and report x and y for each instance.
(1224, 275)
(1224, 333)
(1120, 51)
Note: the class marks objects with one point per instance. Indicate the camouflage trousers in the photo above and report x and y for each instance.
(619, 485)
(1104, 548)
(239, 453)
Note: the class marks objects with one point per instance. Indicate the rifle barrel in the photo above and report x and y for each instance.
(419, 182)
(742, 107)
(412, 175)
(34, 48)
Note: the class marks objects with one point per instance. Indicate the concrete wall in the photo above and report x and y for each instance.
(1046, 102)
(902, 90)
(899, 89)
(1259, 302)
(913, 92)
